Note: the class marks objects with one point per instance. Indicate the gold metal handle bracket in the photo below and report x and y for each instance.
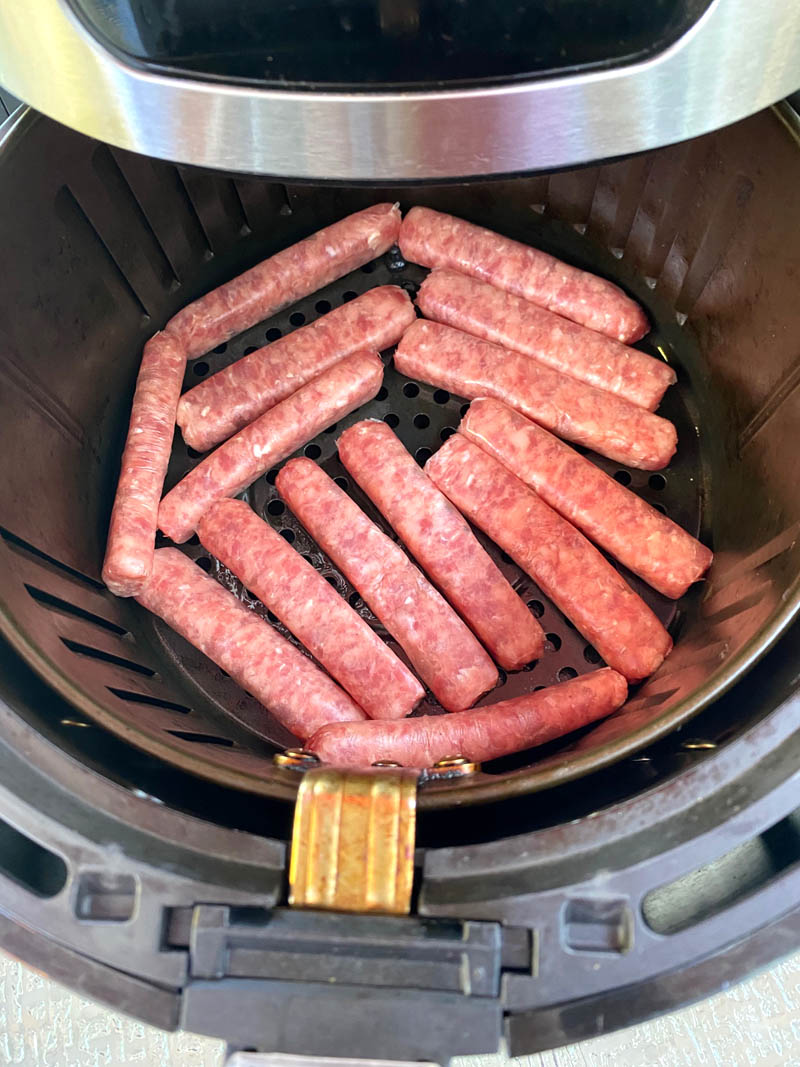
(353, 840)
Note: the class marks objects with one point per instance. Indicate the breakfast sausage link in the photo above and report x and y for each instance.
(564, 565)
(235, 396)
(644, 540)
(285, 278)
(441, 649)
(439, 538)
(433, 239)
(271, 438)
(469, 367)
(494, 315)
(134, 517)
(480, 734)
(258, 659)
(289, 586)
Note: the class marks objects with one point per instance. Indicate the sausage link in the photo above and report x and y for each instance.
(565, 566)
(494, 315)
(258, 659)
(644, 540)
(433, 239)
(286, 277)
(480, 734)
(439, 538)
(440, 647)
(229, 400)
(608, 424)
(134, 517)
(289, 586)
(271, 438)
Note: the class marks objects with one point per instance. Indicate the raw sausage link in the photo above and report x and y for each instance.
(480, 734)
(437, 240)
(279, 432)
(314, 612)
(439, 538)
(465, 365)
(286, 277)
(440, 647)
(134, 518)
(258, 659)
(647, 542)
(480, 309)
(564, 565)
(235, 396)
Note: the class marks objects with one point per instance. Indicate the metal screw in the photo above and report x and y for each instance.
(456, 765)
(295, 757)
(386, 763)
(698, 745)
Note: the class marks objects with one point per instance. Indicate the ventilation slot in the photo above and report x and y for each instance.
(106, 657)
(55, 603)
(202, 739)
(19, 544)
(716, 886)
(151, 702)
(29, 864)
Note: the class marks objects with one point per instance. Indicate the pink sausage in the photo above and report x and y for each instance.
(286, 277)
(271, 438)
(229, 400)
(480, 734)
(134, 517)
(333, 633)
(258, 659)
(481, 309)
(606, 423)
(441, 541)
(436, 240)
(440, 647)
(647, 542)
(565, 566)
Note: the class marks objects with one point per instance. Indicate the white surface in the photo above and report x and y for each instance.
(756, 1023)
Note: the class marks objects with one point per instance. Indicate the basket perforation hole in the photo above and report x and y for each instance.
(383, 393)
(421, 421)
(422, 455)
(566, 673)
(192, 453)
(354, 600)
(272, 475)
(288, 535)
(441, 396)
(322, 307)
(221, 348)
(623, 477)
(661, 508)
(368, 268)
(463, 410)
(202, 739)
(552, 642)
(448, 431)
(200, 368)
(332, 429)
(274, 334)
(250, 350)
(411, 389)
(273, 618)
(657, 482)
(297, 318)
(331, 580)
(591, 655)
(342, 482)
(348, 296)
(312, 451)
(276, 507)
(392, 420)
(204, 563)
(536, 607)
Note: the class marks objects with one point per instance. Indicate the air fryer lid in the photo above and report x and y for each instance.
(395, 90)
(112, 244)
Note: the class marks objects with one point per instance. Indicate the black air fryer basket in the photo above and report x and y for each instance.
(145, 822)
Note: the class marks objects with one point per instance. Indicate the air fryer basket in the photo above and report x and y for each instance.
(102, 246)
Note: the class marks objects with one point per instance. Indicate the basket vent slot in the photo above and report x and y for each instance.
(29, 864)
(153, 702)
(25, 546)
(107, 657)
(201, 739)
(55, 603)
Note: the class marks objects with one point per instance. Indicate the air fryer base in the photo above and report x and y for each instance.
(554, 917)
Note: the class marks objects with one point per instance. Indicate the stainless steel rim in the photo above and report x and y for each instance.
(738, 58)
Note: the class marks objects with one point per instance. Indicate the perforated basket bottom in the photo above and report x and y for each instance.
(423, 417)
